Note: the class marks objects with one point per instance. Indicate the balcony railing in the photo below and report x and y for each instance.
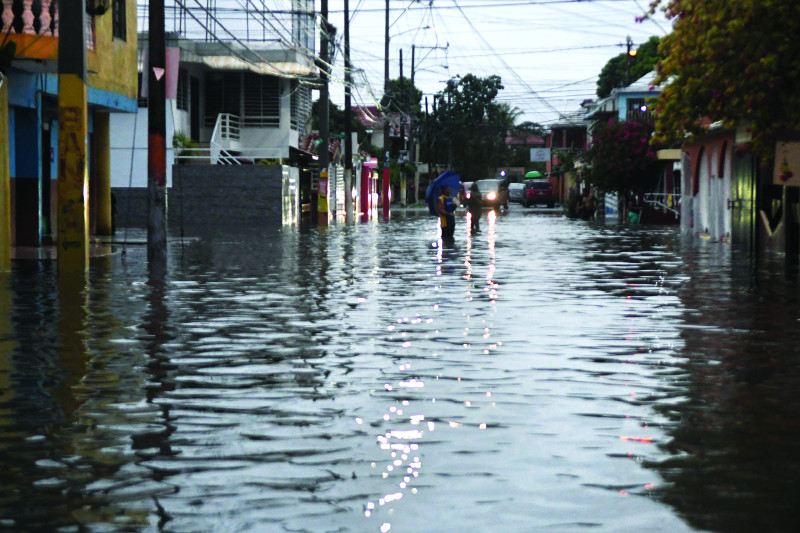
(37, 18)
(32, 17)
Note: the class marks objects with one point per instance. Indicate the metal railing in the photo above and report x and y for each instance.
(225, 139)
(225, 147)
(669, 203)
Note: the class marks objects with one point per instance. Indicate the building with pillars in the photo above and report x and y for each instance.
(29, 109)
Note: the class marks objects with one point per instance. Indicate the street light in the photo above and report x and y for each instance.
(631, 53)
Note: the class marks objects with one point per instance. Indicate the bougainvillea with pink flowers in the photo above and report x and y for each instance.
(621, 156)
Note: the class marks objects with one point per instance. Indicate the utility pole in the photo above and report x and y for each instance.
(348, 119)
(413, 52)
(401, 100)
(386, 145)
(630, 53)
(73, 176)
(414, 144)
(324, 118)
(156, 137)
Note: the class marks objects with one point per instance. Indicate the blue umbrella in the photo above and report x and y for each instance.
(448, 178)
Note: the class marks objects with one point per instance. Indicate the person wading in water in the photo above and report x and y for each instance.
(447, 219)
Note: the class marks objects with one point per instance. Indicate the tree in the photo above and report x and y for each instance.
(615, 73)
(336, 120)
(528, 128)
(730, 61)
(620, 156)
(519, 155)
(468, 127)
(402, 97)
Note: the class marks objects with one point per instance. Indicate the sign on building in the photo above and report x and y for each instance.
(787, 164)
(540, 155)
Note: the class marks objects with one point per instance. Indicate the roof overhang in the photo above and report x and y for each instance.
(282, 69)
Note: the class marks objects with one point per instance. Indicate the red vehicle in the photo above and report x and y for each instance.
(538, 192)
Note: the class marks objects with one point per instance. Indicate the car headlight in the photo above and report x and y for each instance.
(491, 196)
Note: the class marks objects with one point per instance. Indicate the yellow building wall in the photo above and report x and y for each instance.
(113, 64)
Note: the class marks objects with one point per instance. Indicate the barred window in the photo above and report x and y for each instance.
(262, 102)
(638, 110)
(223, 95)
(182, 97)
(301, 104)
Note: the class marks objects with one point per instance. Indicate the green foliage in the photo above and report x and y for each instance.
(567, 158)
(615, 71)
(183, 144)
(336, 121)
(470, 126)
(402, 97)
(528, 128)
(730, 61)
(620, 157)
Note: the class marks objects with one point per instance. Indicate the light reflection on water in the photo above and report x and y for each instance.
(541, 374)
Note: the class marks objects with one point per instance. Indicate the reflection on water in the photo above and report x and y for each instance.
(734, 419)
(540, 374)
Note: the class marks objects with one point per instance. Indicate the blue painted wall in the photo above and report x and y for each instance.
(23, 88)
(28, 145)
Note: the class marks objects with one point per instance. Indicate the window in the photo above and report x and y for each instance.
(182, 97)
(118, 22)
(300, 105)
(262, 102)
(639, 111)
(223, 95)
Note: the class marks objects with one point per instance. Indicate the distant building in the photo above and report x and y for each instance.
(568, 134)
(243, 101)
(634, 103)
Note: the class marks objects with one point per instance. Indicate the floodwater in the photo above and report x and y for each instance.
(544, 375)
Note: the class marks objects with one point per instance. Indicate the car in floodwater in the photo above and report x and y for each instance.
(538, 192)
(516, 192)
(494, 193)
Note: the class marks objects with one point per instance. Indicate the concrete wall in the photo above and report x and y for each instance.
(128, 139)
(201, 195)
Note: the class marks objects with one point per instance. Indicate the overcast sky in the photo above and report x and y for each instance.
(547, 52)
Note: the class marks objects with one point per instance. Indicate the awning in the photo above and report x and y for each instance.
(282, 69)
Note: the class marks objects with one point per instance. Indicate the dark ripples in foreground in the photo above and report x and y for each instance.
(544, 375)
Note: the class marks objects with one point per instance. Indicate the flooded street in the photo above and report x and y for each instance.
(544, 375)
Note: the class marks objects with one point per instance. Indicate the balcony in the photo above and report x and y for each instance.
(33, 26)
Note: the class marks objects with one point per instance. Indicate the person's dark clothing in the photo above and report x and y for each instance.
(475, 209)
